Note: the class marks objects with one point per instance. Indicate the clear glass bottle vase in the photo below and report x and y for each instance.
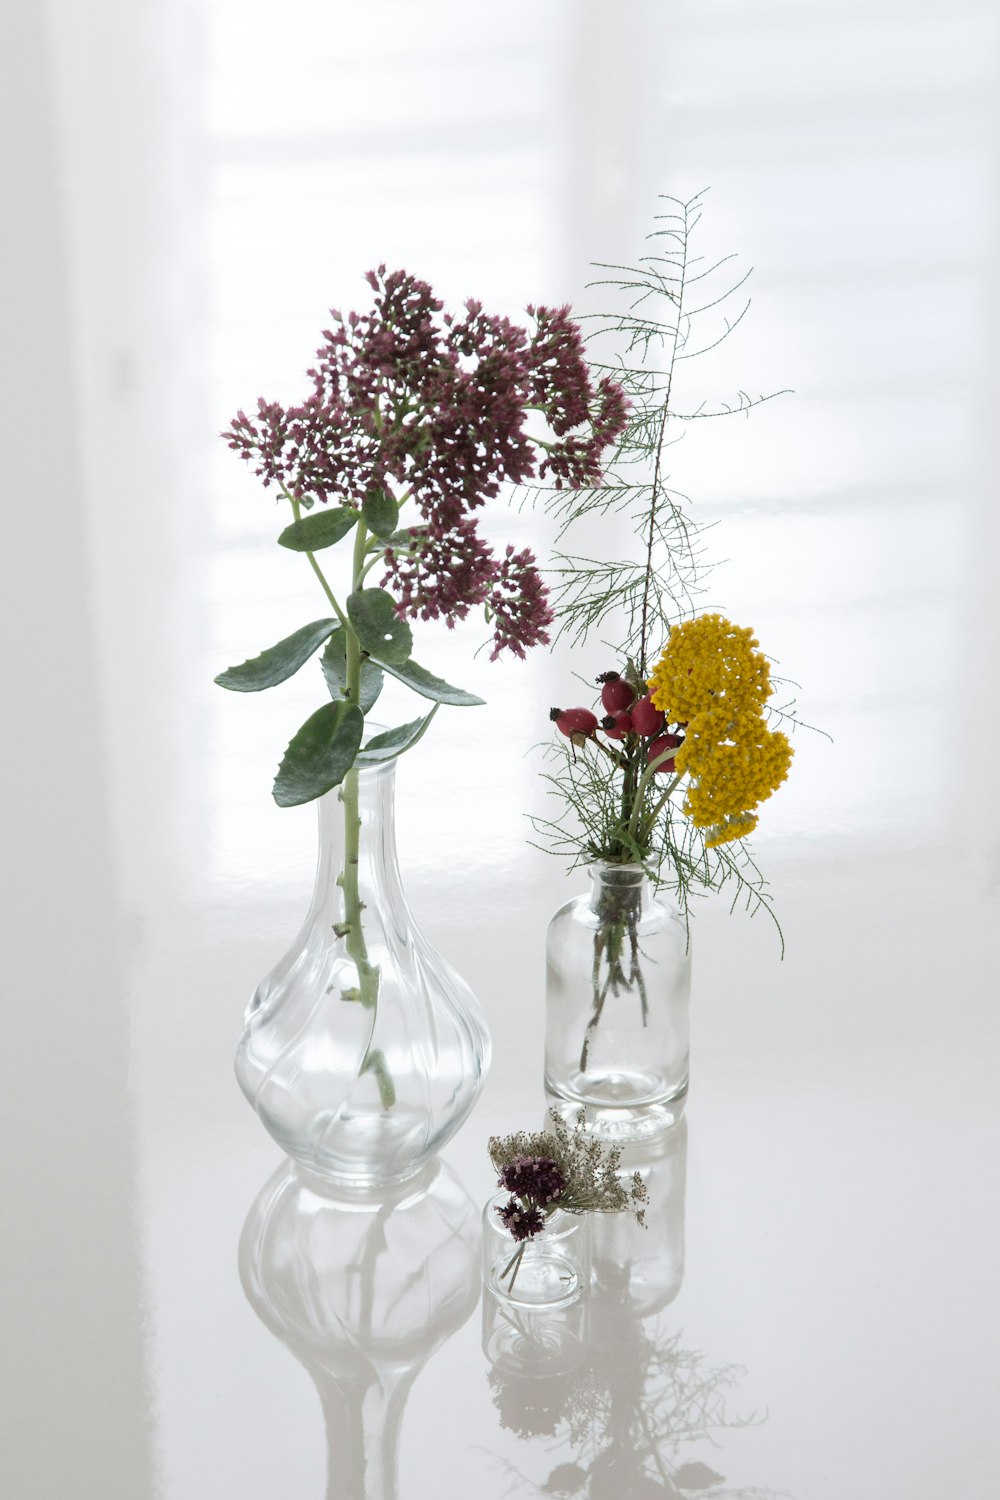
(362, 1050)
(617, 1000)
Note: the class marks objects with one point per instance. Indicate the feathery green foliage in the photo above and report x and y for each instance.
(672, 306)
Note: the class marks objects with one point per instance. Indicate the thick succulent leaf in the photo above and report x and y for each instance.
(320, 755)
(278, 662)
(393, 742)
(429, 686)
(381, 632)
(334, 664)
(381, 513)
(313, 533)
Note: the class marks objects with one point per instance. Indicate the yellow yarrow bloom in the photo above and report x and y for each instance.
(706, 661)
(712, 679)
(732, 828)
(733, 765)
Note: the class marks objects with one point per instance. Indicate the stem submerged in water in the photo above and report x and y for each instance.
(619, 909)
(513, 1265)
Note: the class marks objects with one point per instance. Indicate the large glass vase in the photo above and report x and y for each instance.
(617, 999)
(363, 1051)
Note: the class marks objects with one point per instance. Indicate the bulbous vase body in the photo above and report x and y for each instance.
(362, 1050)
(618, 988)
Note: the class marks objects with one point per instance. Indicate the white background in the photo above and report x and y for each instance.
(188, 187)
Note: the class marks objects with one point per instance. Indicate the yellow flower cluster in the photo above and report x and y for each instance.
(713, 679)
(736, 827)
(706, 661)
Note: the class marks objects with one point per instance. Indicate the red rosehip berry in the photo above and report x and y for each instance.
(646, 719)
(616, 694)
(570, 721)
(665, 742)
(617, 726)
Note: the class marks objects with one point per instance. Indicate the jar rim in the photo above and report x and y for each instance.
(628, 874)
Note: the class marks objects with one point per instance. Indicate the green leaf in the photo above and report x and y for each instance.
(334, 664)
(394, 741)
(382, 634)
(380, 512)
(277, 662)
(320, 754)
(313, 533)
(429, 686)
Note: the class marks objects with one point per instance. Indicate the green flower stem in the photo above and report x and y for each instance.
(352, 644)
(375, 558)
(357, 948)
(328, 591)
(660, 441)
(618, 909)
(600, 993)
(368, 975)
(644, 780)
(607, 750)
(659, 805)
(513, 1265)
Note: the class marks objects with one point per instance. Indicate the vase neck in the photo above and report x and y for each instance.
(377, 863)
(618, 889)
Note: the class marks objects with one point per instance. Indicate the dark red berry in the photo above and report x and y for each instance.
(617, 726)
(616, 694)
(665, 742)
(646, 719)
(570, 721)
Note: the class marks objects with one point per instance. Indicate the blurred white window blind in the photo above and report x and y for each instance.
(850, 152)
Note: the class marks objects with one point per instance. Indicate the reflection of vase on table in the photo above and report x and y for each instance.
(646, 1264)
(362, 1290)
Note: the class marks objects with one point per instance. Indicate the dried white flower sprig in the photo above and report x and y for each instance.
(559, 1168)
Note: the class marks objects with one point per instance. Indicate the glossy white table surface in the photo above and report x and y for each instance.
(812, 1311)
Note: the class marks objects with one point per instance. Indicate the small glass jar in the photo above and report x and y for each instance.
(616, 1007)
(551, 1269)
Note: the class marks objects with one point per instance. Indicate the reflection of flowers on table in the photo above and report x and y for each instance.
(626, 1415)
(621, 1409)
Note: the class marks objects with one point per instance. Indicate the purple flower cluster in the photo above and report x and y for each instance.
(413, 403)
(535, 1177)
(522, 1221)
